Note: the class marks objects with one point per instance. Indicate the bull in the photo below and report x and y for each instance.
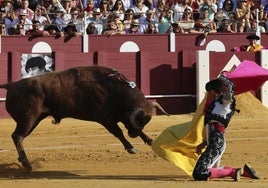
(91, 93)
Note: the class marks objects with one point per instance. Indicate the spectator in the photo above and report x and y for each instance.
(225, 27)
(151, 29)
(76, 20)
(210, 7)
(70, 29)
(112, 29)
(145, 21)
(134, 28)
(77, 3)
(116, 18)
(206, 19)
(186, 23)
(53, 30)
(57, 20)
(128, 4)
(89, 8)
(96, 19)
(25, 8)
(41, 15)
(3, 29)
(36, 31)
(105, 10)
(17, 29)
(139, 9)
(243, 13)
(119, 8)
(194, 4)
(254, 27)
(66, 4)
(200, 28)
(8, 5)
(177, 10)
(91, 29)
(4, 19)
(175, 28)
(128, 17)
(164, 16)
(23, 20)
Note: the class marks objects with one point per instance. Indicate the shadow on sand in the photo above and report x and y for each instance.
(15, 171)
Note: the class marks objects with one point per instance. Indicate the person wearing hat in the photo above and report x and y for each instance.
(23, 21)
(96, 19)
(134, 28)
(25, 10)
(253, 45)
(218, 111)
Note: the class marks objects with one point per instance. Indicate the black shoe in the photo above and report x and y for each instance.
(250, 171)
(238, 173)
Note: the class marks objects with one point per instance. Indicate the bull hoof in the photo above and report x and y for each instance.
(150, 142)
(132, 151)
(28, 168)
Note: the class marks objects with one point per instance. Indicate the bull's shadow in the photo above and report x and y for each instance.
(15, 171)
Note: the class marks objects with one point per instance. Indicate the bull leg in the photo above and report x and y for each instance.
(22, 131)
(18, 141)
(146, 138)
(117, 132)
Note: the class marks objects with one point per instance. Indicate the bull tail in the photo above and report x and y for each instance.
(159, 107)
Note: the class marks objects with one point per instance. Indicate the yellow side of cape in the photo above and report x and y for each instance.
(177, 143)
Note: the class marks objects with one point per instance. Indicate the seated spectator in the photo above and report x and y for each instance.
(25, 8)
(3, 29)
(128, 17)
(57, 20)
(112, 29)
(151, 29)
(116, 18)
(76, 19)
(70, 30)
(17, 29)
(91, 29)
(89, 8)
(210, 6)
(145, 21)
(186, 23)
(41, 15)
(206, 19)
(134, 28)
(175, 28)
(96, 19)
(164, 16)
(243, 13)
(200, 27)
(119, 8)
(23, 21)
(225, 27)
(53, 30)
(139, 9)
(254, 26)
(36, 31)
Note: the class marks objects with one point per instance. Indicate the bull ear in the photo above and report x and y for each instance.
(133, 117)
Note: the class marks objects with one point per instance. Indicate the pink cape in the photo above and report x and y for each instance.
(248, 76)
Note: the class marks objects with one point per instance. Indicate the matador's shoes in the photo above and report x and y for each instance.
(238, 173)
(250, 172)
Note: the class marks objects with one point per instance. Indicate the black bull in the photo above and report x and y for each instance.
(94, 93)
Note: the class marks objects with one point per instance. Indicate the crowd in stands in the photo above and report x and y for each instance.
(128, 17)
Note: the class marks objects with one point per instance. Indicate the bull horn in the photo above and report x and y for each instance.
(159, 107)
(133, 116)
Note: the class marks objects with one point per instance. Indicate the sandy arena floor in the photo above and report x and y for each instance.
(83, 154)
